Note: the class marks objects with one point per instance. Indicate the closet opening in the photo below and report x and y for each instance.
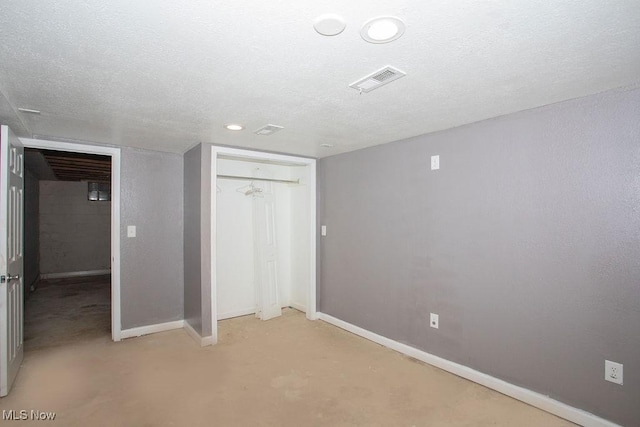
(263, 244)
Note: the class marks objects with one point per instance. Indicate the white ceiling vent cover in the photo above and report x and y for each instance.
(379, 78)
(268, 130)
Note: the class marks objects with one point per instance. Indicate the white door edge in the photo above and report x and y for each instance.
(11, 258)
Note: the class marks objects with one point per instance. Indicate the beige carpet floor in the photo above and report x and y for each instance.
(284, 372)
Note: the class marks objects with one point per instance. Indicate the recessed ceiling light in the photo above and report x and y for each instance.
(383, 29)
(233, 126)
(329, 24)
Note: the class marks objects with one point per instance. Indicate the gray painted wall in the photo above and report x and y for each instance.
(31, 230)
(152, 269)
(75, 233)
(197, 235)
(192, 239)
(526, 242)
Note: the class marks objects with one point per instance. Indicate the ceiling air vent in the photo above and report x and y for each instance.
(377, 79)
(268, 130)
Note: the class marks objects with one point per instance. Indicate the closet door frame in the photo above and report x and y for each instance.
(310, 164)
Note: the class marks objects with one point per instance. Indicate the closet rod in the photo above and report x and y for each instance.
(252, 178)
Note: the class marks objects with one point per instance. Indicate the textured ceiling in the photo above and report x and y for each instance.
(166, 74)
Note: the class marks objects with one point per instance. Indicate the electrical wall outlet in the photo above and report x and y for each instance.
(131, 231)
(433, 320)
(613, 372)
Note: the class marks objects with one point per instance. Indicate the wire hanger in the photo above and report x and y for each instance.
(250, 190)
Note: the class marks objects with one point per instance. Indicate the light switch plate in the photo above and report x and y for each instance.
(323, 230)
(131, 231)
(435, 163)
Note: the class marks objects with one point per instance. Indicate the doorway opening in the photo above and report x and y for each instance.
(263, 245)
(67, 252)
(79, 256)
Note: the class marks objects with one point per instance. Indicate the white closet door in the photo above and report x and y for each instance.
(266, 254)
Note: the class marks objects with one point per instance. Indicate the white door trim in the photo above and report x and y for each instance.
(114, 152)
(258, 155)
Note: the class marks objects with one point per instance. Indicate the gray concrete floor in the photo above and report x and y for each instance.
(283, 372)
(67, 311)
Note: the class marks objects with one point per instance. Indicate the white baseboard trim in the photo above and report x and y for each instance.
(74, 274)
(237, 313)
(532, 398)
(203, 341)
(299, 307)
(151, 329)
